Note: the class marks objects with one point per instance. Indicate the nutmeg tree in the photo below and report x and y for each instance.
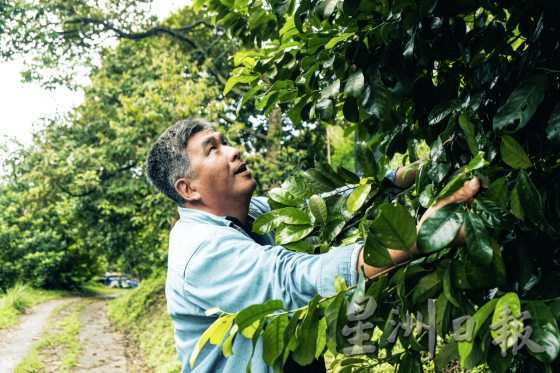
(473, 83)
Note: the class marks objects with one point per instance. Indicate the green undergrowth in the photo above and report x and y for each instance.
(141, 314)
(16, 300)
(59, 339)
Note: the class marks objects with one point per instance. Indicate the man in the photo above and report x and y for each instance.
(214, 258)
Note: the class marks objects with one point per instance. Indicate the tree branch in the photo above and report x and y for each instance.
(176, 33)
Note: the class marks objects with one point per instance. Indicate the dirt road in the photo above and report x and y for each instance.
(102, 347)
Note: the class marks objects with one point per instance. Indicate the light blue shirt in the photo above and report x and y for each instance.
(213, 262)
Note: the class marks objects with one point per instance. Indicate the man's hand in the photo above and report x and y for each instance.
(463, 195)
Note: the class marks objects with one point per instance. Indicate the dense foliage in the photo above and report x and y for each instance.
(75, 202)
(477, 81)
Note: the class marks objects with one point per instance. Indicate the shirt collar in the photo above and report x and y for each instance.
(194, 215)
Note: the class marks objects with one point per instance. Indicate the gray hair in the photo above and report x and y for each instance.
(168, 160)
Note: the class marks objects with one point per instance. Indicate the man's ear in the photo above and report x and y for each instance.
(184, 187)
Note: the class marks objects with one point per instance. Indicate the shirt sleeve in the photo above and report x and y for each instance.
(231, 271)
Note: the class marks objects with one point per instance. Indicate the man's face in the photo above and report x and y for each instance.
(222, 177)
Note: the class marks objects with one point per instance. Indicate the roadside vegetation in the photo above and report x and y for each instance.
(141, 314)
(60, 339)
(17, 299)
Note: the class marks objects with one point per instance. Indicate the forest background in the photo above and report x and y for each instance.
(303, 87)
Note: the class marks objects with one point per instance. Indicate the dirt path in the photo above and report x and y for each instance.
(16, 342)
(102, 347)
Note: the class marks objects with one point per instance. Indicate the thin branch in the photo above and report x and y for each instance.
(176, 33)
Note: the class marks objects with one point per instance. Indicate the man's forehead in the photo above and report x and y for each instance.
(202, 137)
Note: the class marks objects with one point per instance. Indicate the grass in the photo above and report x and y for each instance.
(141, 314)
(17, 299)
(60, 339)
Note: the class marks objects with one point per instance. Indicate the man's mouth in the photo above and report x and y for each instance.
(241, 169)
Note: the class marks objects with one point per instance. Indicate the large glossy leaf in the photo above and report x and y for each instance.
(479, 245)
(498, 192)
(428, 287)
(464, 348)
(440, 228)
(521, 105)
(545, 331)
(376, 254)
(318, 181)
(410, 363)
(272, 219)
(366, 161)
(305, 352)
(284, 197)
(512, 301)
(287, 233)
(553, 128)
(298, 187)
(215, 332)
(318, 208)
(515, 203)
(355, 84)
(531, 201)
(251, 314)
(394, 227)
(470, 135)
(492, 215)
(513, 154)
(273, 339)
(358, 197)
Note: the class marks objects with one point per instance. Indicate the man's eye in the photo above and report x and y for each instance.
(212, 148)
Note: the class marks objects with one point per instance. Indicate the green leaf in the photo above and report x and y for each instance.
(347, 175)
(350, 7)
(214, 332)
(250, 93)
(321, 337)
(325, 109)
(318, 208)
(358, 197)
(477, 162)
(375, 254)
(331, 91)
(394, 227)
(221, 329)
(441, 111)
(553, 127)
(464, 348)
(366, 160)
(254, 313)
(298, 187)
(469, 130)
(227, 347)
(272, 219)
(521, 105)
(410, 363)
(446, 354)
(477, 239)
(545, 331)
(427, 287)
(273, 339)
(237, 79)
(498, 192)
(291, 233)
(284, 197)
(513, 154)
(355, 84)
(515, 203)
(333, 228)
(440, 228)
(531, 201)
(325, 8)
(335, 315)
(448, 288)
(305, 351)
(337, 39)
(512, 300)
(350, 110)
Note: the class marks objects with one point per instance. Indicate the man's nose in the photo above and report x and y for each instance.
(234, 154)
